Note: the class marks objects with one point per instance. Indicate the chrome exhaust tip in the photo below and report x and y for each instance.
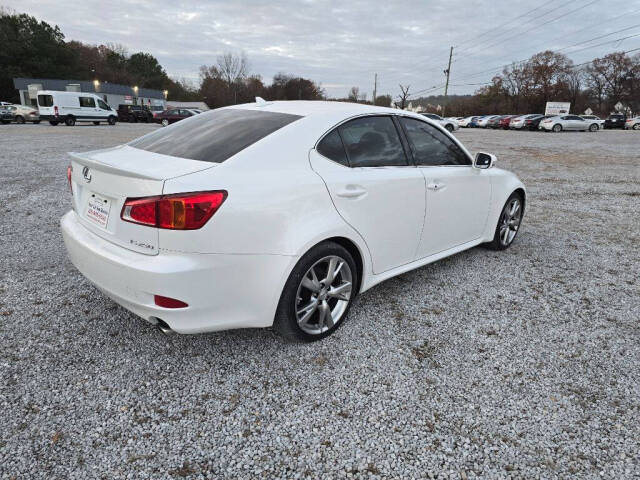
(163, 326)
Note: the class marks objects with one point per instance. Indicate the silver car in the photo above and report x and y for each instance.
(560, 123)
(632, 123)
(520, 122)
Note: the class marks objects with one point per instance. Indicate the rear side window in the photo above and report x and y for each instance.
(45, 100)
(214, 136)
(87, 102)
(430, 146)
(372, 142)
(331, 147)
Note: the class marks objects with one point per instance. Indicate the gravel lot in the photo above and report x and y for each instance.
(521, 364)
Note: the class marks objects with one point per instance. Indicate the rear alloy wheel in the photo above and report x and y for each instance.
(449, 127)
(557, 128)
(318, 294)
(508, 223)
(636, 126)
(593, 127)
(164, 122)
(70, 121)
(19, 119)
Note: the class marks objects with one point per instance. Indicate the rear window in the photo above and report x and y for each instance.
(214, 136)
(45, 100)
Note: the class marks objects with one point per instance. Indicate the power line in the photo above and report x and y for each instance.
(537, 26)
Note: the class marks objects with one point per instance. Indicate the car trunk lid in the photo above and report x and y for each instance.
(102, 180)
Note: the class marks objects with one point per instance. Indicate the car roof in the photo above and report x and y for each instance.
(306, 108)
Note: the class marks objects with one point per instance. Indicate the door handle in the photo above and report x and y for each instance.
(435, 186)
(351, 191)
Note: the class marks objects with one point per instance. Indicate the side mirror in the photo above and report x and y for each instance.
(484, 160)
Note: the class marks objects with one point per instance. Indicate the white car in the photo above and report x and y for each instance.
(450, 125)
(633, 123)
(464, 122)
(524, 121)
(71, 107)
(594, 118)
(276, 214)
(561, 123)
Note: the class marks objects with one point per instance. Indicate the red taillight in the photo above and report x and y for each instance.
(55, 110)
(181, 211)
(69, 172)
(167, 302)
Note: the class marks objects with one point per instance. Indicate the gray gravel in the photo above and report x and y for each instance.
(521, 364)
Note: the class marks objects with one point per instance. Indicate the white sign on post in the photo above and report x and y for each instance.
(557, 108)
(588, 111)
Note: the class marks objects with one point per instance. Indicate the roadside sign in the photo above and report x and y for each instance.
(619, 107)
(128, 99)
(557, 108)
(588, 111)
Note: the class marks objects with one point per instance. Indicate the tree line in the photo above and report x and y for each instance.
(527, 86)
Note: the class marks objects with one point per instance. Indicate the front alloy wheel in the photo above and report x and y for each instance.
(508, 223)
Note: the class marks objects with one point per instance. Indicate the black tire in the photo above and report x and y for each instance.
(557, 128)
(70, 121)
(636, 126)
(5, 122)
(135, 119)
(96, 123)
(53, 122)
(36, 122)
(593, 127)
(286, 322)
(20, 119)
(449, 127)
(497, 243)
(112, 120)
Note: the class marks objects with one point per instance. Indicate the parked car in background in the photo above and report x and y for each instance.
(483, 121)
(134, 113)
(450, 125)
(192, 229)
(559, 123)
(474, 123)
(632, 123)
(506, 121)
(464, 123)
(71, 107)
(6, 115)
(173, 115)
(156, 110)
(527, 122)
(594, 118)
(23, 113)
(495, 121)
(616, 120)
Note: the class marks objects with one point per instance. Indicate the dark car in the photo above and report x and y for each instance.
(6, 115)
(495, 121)
(615, 121)
(172, 116)
(535, 122)
(134, 113)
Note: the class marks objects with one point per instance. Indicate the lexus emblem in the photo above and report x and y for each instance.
(86, 174)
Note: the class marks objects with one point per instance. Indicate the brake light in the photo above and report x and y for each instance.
(182, 211)
(55, 110)
(168, 302)
(69, 172)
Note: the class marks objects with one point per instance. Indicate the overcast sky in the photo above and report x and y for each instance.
(343, 43)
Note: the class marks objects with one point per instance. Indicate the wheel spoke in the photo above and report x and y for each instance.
(332, 270)
(307, 311)
(342, 292)
(323, 312)
(504, 235)
(311, 283)
(514, 208)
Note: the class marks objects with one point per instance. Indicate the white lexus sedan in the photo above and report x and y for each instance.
(276, 214)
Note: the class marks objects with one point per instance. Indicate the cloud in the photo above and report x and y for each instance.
(337, 43)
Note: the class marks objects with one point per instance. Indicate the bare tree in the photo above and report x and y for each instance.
(403, 97)
(233, 68)
(354, 94)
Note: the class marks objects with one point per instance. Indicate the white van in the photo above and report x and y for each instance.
(72, 107)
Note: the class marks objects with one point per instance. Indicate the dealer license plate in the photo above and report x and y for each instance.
(98, 209)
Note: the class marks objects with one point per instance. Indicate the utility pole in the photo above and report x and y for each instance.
(447, 72)
(375, 87)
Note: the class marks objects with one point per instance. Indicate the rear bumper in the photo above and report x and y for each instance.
(223, 291)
